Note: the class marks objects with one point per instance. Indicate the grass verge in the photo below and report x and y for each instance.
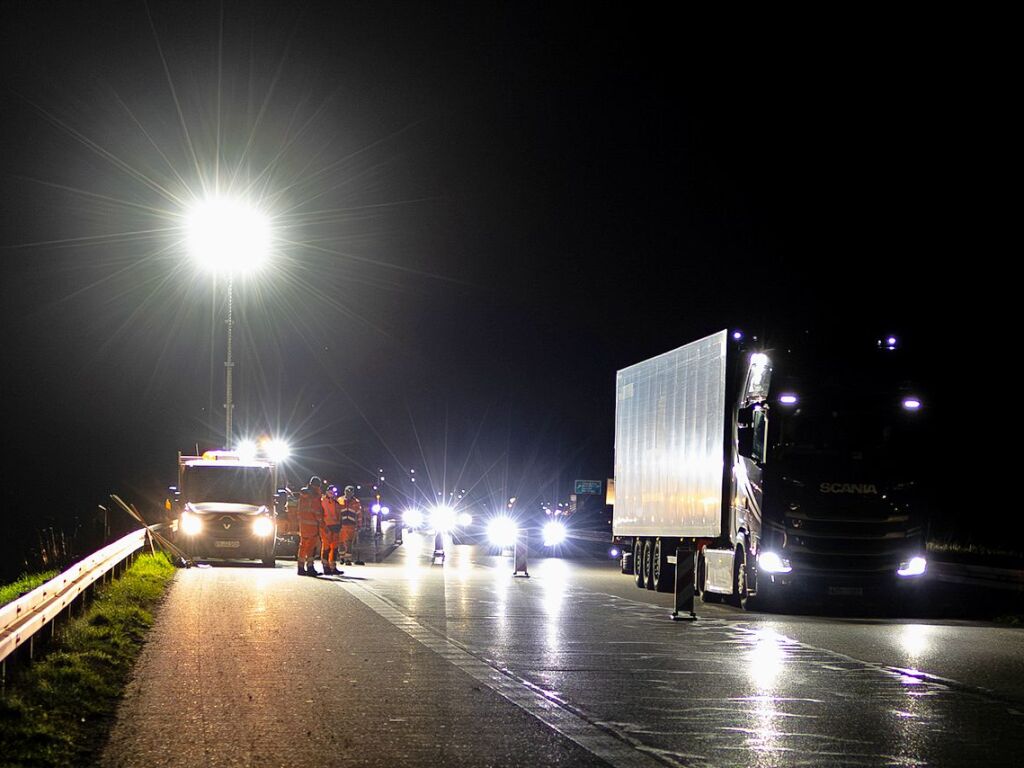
(59, 710)
(25, 584)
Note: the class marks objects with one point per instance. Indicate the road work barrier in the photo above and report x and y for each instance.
(685, 585)
(519, 556)
(22, 621)
(438, 548)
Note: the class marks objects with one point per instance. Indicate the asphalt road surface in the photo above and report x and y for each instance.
(412, 664)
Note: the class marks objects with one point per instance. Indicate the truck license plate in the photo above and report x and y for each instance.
(849, 591)
(227, 544)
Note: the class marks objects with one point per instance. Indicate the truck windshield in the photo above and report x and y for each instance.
(863, 428)
(847, 405)
(231, 485)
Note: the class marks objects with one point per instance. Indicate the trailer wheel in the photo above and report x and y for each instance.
(649, 564)
(663, 571)
(638, 563)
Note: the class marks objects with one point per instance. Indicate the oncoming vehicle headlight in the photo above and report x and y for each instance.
(502, 531)
(412, 518)
(442, 518)
(191, 524)
(465, 520)
(770, 562)
(263, 527)
(915, 566)
(554, 533)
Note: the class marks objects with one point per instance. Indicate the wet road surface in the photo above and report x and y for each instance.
(406, 663)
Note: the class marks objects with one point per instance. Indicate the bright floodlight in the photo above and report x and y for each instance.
(277, 450)
(247, 450)
(229, 236)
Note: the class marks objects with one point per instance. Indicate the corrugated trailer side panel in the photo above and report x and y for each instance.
(669, 442)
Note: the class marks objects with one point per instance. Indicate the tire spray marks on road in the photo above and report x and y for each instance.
(615, 749)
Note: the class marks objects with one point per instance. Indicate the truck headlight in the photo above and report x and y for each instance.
(191, 524)
(915, 566)
(771, 562)
(263, 527)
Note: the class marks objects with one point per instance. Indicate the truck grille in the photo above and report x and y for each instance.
(848, 540)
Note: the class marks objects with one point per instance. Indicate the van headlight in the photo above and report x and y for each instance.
(263, 527)
(191, 524)
(772, 562)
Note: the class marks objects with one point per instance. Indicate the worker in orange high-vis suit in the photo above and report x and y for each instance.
(331, 531)
(311, 518)
(351, 518)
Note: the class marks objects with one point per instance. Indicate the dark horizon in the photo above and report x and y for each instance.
(484, 212)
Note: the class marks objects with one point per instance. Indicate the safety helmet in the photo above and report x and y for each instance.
(349, 489)
(315, 482)
(332, 490)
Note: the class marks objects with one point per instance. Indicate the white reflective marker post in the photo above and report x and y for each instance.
(519, 555)
(438, 548)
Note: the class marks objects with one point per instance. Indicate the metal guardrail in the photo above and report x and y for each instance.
(23, 619)
(977, 575)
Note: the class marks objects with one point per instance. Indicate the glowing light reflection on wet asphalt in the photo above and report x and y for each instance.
(718, 692)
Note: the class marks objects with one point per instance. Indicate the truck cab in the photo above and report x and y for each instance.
(824, 490)
(225, 507)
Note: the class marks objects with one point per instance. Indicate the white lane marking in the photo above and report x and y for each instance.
(550, 710)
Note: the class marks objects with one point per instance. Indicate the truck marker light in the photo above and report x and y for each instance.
(911, 403)
(915, 566)
(770, 562)
(788, 399)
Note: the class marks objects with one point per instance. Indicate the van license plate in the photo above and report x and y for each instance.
(228, 544)
(848, 591)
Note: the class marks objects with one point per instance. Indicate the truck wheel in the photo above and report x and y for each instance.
(638, 563)
(740, 593)
(663, 571)
(702, 578)
(649, 563)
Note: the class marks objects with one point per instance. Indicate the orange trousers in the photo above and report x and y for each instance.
(308, 539)
(328, 546)
(347, 538)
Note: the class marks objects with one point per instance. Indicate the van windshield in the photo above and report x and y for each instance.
(227, 484)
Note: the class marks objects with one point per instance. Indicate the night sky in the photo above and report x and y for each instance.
(482, 211)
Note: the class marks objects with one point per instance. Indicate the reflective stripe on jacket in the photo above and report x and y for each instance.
(351, 511)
